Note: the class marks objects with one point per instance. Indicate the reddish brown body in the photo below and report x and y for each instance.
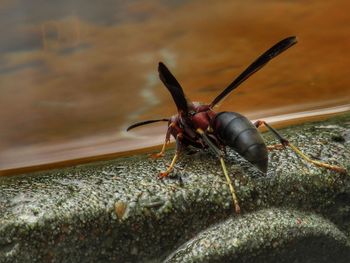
(200, 117)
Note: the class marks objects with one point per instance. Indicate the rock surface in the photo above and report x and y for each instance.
(276, 235)
(117, 211)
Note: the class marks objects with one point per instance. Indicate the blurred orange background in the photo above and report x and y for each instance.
(74, 74)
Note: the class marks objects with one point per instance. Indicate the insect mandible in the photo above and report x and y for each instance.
(197, 124)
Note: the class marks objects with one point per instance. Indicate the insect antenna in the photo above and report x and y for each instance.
(144, 123)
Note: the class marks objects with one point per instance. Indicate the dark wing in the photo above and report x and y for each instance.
(174, 88)
(144, 123)
(256, 65)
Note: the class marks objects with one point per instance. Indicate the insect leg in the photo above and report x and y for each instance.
(285, 142)
(219, 154)
(278, 146)
(176, 156)
(166, 141)
(232, 189)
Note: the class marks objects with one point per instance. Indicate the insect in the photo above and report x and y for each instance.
(198, 125)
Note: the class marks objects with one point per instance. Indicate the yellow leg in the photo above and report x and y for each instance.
(317, 163)
(285, 142)
(278, 146)
(161, 153)
(228, 179)
(170, 168)
(166, 141)
(232, 189)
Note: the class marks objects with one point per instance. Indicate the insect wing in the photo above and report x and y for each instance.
(174, 88)
(256, 65)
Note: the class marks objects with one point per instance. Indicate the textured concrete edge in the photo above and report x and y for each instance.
(117, 210)
(264, 235)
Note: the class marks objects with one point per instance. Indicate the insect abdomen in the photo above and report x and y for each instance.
(238, 132)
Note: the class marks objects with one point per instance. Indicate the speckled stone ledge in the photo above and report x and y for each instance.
(117, 211)
(276, 235)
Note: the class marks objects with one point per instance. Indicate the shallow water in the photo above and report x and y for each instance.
(75, 74)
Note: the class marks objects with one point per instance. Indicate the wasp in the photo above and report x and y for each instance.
(197, 124)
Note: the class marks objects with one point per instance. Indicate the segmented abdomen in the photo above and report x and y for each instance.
(238, 132)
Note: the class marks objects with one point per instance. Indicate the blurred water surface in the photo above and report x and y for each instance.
(74, 74)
